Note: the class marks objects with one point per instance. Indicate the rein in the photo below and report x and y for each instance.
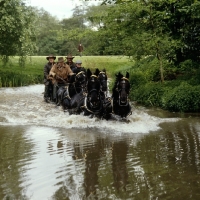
(89, 110)
(88, 95)
(67, 96)
(123, 79)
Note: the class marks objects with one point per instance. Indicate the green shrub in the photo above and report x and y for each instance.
(136, 79)
(149, 94)
(13, 79)
(184, 98)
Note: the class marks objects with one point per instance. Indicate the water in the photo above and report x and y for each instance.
(48, 154)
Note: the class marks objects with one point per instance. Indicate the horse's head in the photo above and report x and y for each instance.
(122, 88)
(81, 79)
(102, 76)
(93, 89)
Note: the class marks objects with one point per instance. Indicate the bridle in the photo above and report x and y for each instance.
(78, 76)
(82, 83)
(103, 79)
(123, 88)
(93, 107)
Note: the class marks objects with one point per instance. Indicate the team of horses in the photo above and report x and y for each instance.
(87, 93)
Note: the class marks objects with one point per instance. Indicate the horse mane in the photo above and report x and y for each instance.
(97, 71)
(88, 73)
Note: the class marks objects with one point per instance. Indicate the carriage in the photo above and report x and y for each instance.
(87, 93)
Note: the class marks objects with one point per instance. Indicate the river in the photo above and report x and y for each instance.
(47, 154)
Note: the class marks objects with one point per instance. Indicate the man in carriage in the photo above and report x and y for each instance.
(78, 67)
(70, 61)
(59, 74)
(47, 82)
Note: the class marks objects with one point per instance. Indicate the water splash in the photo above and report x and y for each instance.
(25, 106)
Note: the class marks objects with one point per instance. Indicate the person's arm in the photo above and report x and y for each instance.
(70, 72)
(46, 74)
(52, 72)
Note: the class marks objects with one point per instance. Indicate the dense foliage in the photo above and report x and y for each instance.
(168, 29)
(16, 30)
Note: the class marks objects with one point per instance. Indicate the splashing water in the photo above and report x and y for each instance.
(25, 106)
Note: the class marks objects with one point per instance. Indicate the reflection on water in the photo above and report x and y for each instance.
(43, 155)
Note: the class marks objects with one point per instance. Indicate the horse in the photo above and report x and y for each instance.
(93, 103)
(120, 92)
(107, 107)
(65, 94)
(62, 88)
(78, 102)
(102, 76)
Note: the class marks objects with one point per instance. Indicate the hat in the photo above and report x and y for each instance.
(60, 59)
(78, 62)
(70, 56)
(51, 56)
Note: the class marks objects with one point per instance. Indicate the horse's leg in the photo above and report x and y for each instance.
(51, 92)
(79, 109)
(58, 96)
(107, 108)
(66, 104)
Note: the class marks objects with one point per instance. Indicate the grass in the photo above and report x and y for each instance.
(12, 75)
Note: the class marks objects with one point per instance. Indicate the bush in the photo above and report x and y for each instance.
(136, 79)
(12, 79)
(149, 94)
(184, 98)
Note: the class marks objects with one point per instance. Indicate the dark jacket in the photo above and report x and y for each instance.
(47, 69)
(72, 65)
(78, 69)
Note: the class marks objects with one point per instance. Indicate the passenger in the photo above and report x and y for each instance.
(70, 61)
(79, 67)
(59, 73)
(47, 82)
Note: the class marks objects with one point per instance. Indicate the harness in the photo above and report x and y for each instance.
(103, 80)
(67, 95)
(67, 86)
(87, 96)
(123, 81)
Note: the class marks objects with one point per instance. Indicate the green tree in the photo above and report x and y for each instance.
(16, 29)
(177, 23)
(168, 30)
(46, 27)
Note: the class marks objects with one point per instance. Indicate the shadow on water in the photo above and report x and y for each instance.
(46, 154)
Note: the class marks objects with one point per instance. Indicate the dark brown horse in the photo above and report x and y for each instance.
(93, 103)
(103, 79)
(102, 76)
(66, 94)
(120, 92)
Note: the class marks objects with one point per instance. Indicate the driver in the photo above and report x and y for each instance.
(51, 61)
(59, 74)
